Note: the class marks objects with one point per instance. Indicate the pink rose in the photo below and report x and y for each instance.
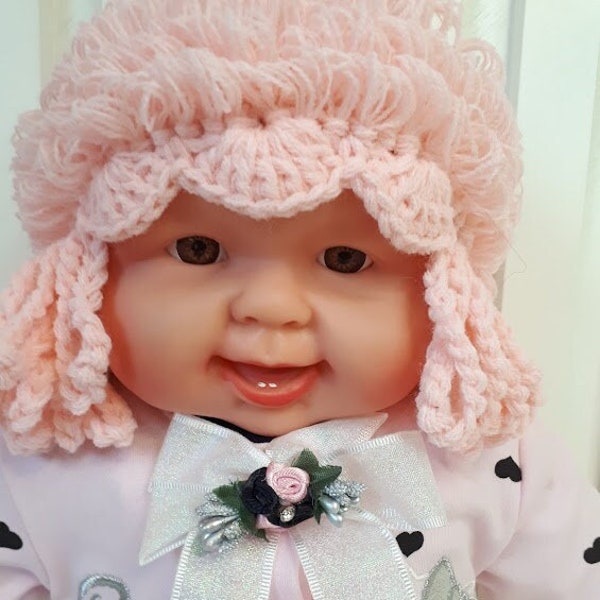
(289, 483)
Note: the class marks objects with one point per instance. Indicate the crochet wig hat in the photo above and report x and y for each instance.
(267, 107)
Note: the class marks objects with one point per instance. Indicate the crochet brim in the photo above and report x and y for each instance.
(267, 108)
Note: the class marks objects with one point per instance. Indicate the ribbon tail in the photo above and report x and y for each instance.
(233, 574)
(358, 547)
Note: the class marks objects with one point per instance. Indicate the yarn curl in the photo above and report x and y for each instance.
(54, 354)
(476, 387)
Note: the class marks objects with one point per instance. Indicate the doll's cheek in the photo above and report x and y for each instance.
(120, 357)
(115, 320)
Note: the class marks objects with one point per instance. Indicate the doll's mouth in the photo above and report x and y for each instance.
(270, 387)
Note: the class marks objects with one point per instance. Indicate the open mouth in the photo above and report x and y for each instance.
(269, 386)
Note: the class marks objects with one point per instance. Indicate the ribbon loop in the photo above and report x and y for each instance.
(199, 457)
(361, 559)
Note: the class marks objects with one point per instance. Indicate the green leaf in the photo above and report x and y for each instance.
(326, 473)
(248, 520)
(306, 461)
(318, 511)
(322, 477)
(229, 495)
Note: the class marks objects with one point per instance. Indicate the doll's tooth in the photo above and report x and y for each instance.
(270, 385)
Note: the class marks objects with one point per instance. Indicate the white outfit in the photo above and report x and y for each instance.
(514, 523)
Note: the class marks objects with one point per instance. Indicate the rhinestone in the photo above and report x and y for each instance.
(287, 514)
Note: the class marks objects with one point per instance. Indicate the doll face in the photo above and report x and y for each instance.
(271, 325)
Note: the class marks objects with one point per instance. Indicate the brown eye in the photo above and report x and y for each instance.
(197, 250)
(343, 259)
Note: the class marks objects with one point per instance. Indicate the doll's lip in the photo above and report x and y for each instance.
(269, 386)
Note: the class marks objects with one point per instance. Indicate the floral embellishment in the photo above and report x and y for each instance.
(256, 495)
(289, 483)
(275, 496)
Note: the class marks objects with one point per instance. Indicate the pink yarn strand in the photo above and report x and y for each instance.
(477, 390)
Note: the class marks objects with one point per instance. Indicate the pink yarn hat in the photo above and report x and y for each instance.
(267, 107)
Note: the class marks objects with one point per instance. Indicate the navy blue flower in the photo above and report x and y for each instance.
(257, 496)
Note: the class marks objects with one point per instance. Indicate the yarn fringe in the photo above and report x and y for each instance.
(476, 387)
(54, 354)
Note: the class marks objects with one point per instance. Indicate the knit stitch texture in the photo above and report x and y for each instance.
(267, 107)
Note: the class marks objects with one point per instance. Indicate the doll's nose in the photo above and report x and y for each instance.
(271, 295)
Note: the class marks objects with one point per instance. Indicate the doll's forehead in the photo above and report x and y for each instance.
(346, 212)
(341, 221)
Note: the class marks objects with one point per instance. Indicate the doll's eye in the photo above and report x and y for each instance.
(197, 250)
(343, 259)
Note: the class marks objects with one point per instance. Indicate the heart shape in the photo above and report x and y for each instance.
(410, 542)
(508, 468)
(9, 539)
(592, 554)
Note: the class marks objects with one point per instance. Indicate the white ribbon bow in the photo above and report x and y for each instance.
(360, 559)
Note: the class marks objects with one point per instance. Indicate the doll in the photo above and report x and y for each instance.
(256, 354)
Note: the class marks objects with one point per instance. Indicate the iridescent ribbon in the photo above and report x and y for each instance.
(360, 559)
